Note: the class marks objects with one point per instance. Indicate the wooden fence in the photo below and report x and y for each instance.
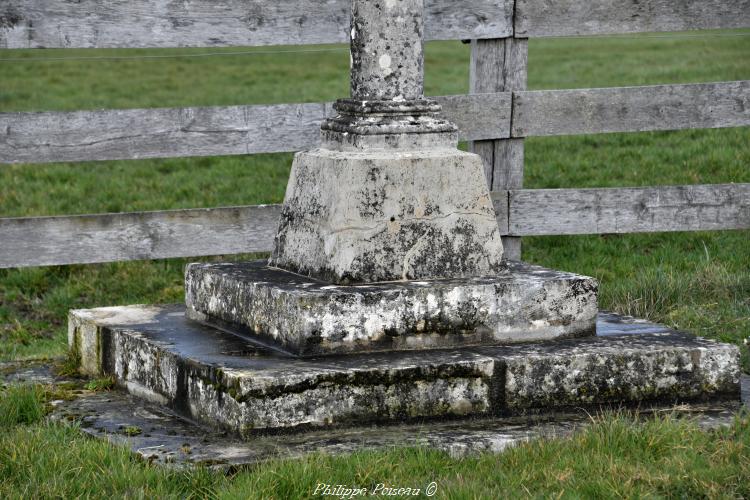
(496, 116)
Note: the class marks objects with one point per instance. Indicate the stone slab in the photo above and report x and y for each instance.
(159, 435)
(357, 217)
(309, 317)
(229, 382)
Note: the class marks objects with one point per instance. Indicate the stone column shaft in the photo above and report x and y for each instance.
(386, 50)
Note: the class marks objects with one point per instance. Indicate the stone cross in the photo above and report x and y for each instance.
(387, 196)
(388, 238)
(388, 243)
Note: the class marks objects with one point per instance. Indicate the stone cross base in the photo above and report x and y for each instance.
(308, 317)
(352, 217)
(227, 382)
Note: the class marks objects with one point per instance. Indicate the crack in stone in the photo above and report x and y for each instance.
(383, 225)
(332, 231)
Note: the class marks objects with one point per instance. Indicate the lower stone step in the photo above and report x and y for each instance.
(158, 435)
(227, 381)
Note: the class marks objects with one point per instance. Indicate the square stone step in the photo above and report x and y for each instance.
(230, 382)
(309, 317)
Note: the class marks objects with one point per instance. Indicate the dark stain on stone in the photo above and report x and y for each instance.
(181, 401)
(10, 17)
(254, 18)
(372, 196)
(178, 22)
(107, 352)
(497, 387)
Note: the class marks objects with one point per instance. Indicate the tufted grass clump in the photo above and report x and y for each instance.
(21, 404)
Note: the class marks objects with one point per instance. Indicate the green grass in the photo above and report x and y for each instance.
(616, 457)
(21, 404)
(619, 455)
(30, 403)
(694, 281)
(101, 384)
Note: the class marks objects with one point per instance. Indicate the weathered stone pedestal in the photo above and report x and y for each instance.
(307, 317)
(386, 298)
(385, 215)
(227, 381)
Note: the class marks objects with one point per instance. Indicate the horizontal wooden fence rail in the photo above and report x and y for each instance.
(215, 23)
(539, 18)
(157, 132)
(212, 23)
(629, 210)
(78, 239)
(230, 130)
(631, 109)
(81, 239)
(174, 132)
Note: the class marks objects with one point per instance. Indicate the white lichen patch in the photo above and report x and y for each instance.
(119, 315)
(384, 61)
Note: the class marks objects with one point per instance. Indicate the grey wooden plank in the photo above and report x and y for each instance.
(175, 132)
(629, 210)
(153, 133)
(76, 239)
(81, 239)
(478, 116)
(214, 23)
(500, 65)
(509, 153)
(486, 75)
(38, 241)
(540, 18)
(631, 109)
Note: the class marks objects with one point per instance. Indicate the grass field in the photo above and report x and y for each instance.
(616, 457)
(694, 281)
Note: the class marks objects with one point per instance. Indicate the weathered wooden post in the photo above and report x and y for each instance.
(386, 297)
(500, 65)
